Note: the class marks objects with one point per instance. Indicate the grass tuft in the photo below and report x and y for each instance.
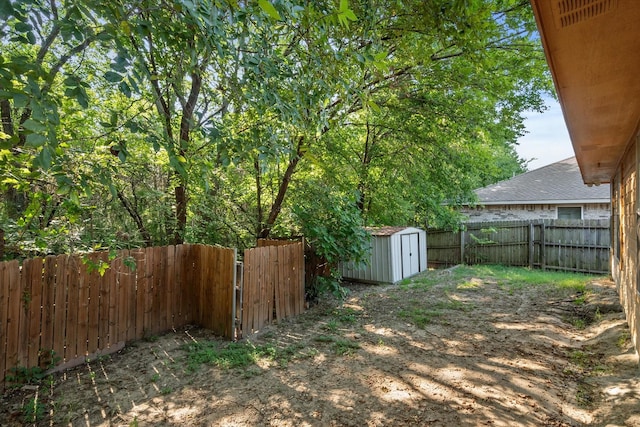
(229, 356)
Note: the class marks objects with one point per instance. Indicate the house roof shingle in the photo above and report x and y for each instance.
(560, 182)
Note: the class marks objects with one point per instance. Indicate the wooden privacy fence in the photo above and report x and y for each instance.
(567, 245)
(60, 310)
(273, 283)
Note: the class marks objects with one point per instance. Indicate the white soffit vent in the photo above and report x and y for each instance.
(570, 12)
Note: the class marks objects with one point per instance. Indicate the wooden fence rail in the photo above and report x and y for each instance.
(60, 310)
(566, 245)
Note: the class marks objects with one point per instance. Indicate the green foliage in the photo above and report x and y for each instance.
(420, 313)
(527, 277)
(233, 355)
(332, 225)
(324, 338)
(342, 316)
(343, 347)
(420, 317)
(509, 278)
(483, 240)
(134, 124)
(238, 355)
(33, 410)
(623, 339)
(327, 285)
(346, 315)
(21, 375)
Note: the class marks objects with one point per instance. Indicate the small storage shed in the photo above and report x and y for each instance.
(396, 253)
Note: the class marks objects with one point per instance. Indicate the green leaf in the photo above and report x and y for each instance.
(71, 81)
(113, 77)
(375, 107)
(20, 100)
(34, 126)
(268, 8)
(105, 35)
(130, 262)
(82, 97)
(63, 189)
(124, 26)
(6, 10)
(112, 190)
(10, 181)
(73, 196)
(113, 120)
(345, 14)
(23, 27)
(35, 140)
(44, 158)
(350, 15)
(125, 89)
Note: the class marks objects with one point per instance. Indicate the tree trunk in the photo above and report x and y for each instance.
(361, 197)
(282, 190)
(133, 213)
(185, 134)
(181, 212)
(1, 244)
(260, 226)
(365, 163)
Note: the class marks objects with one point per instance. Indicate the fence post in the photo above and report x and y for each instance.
(542, 247)
(531, 246)
(462, 246)
(233, 329)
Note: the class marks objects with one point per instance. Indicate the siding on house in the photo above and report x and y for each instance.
(625, 240)
(531, 211)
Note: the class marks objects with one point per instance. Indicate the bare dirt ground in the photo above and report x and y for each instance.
(454, 350)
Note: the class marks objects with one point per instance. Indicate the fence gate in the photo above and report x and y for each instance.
(272, 285)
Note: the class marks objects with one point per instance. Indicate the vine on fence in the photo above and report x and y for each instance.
(478, 241)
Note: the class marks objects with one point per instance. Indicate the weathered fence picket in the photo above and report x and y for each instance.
(60, 310)
(273, 283)
(565, 245)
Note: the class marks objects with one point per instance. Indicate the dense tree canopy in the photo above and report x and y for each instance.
(162, 121)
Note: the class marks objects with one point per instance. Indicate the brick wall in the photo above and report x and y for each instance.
(529, 212)
(625, 266)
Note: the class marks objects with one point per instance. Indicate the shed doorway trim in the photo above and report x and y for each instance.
(410, 250)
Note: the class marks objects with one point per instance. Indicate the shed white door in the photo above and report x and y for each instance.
(410, 254)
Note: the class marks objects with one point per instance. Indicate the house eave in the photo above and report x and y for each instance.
(592, 51)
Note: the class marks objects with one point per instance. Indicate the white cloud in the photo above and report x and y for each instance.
(547, 140)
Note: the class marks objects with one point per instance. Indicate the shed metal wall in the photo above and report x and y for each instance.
(385, 264)
(379, 267)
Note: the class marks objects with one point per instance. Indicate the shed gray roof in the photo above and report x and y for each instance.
(386, 230)
(559, 182)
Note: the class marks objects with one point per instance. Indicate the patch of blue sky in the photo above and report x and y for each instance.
(547, 139)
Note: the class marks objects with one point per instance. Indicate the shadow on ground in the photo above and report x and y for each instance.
(463, 352)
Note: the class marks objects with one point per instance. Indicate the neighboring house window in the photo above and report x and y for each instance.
(570, 212)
